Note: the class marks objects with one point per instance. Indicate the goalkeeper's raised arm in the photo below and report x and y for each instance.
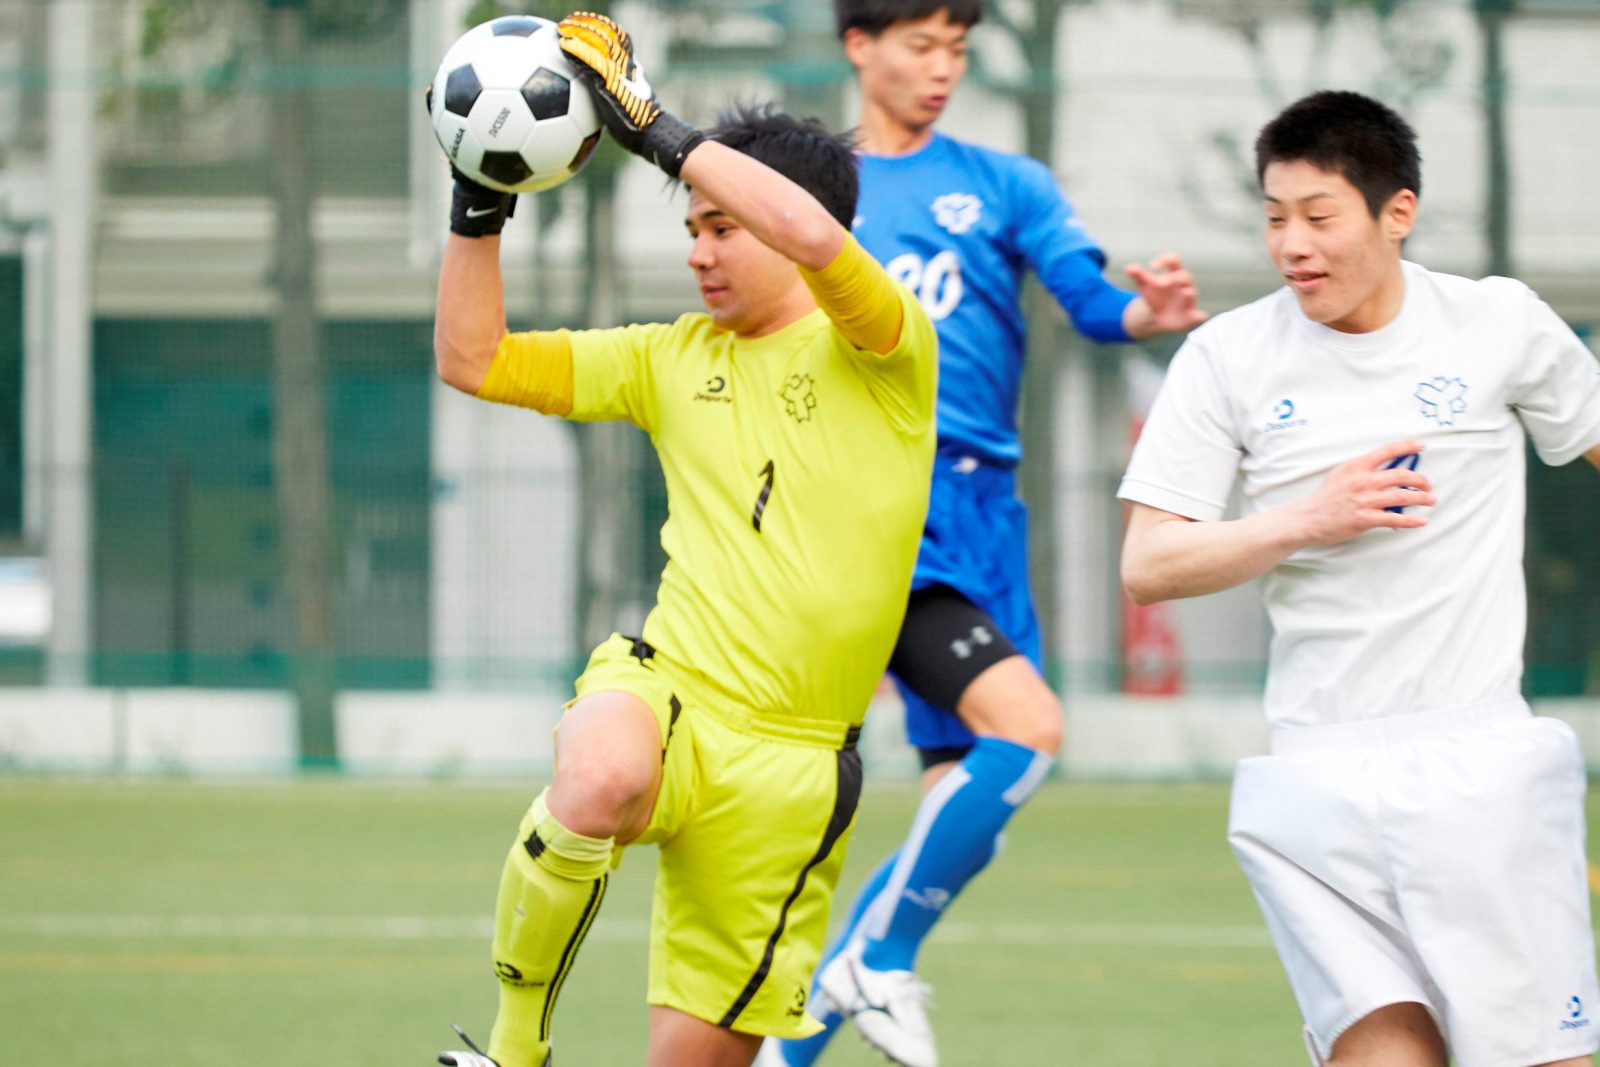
(777, 211)
(847, 284)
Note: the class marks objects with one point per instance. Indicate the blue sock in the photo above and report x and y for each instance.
(955, 835)
(803, 1053)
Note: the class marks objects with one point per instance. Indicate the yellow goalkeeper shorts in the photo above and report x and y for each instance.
(752, 829)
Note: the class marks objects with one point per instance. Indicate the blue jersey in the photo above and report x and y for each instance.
(959, 225)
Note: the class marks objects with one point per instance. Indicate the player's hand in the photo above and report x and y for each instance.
(1169, 294)
(602, 53)
(475, 209)
(1376, 490)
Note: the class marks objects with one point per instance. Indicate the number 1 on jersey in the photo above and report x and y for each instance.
(768, 475)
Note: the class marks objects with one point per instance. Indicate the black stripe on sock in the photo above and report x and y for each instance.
(568, 954)
(845, 799)
(535, 845)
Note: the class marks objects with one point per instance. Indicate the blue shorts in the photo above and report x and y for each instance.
(975, 542)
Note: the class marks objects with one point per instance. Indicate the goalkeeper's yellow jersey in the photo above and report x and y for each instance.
(797, 470)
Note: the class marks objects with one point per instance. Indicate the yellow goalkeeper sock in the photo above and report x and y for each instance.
(550, 892)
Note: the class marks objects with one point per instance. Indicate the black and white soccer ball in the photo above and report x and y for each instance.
(508, 109)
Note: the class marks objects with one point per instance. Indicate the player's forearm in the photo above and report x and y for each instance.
(1593, 456)
(1166, 557)
(1138, 321)
(1095, 306)
(470, 315)
(781, 214)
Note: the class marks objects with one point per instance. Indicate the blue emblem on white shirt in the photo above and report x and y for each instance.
(1444, 400)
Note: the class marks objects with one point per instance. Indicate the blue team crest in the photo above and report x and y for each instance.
(957, 212)
(1444, 400)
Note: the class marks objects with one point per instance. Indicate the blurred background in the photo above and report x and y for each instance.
(243, 529)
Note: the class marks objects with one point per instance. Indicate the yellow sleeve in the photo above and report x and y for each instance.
(859, 296)
(614, 374)
(531, 370)
(904, 380)
(585, 375)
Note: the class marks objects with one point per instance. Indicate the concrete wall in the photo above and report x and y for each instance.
(508, 735)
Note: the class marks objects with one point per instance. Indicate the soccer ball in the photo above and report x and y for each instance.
(508, 109)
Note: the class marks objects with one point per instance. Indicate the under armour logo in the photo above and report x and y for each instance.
(963, 646)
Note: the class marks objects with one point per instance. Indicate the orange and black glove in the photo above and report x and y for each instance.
(602, 54)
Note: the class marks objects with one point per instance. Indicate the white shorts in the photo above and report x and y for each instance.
(1435, 858)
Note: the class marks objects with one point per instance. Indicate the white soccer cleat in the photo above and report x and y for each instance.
(475, 1058)
(889, 1008)
(465, 1059)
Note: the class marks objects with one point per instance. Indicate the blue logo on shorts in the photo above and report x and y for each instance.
(1575, 1020)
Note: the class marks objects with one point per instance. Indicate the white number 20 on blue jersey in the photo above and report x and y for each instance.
(937, 283)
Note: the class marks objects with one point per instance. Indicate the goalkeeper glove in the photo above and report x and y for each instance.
(602, 53)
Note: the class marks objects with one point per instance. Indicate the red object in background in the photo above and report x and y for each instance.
(1152, 659)
(1152, 656)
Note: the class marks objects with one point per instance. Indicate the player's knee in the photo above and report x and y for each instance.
(1034, 724)
(1045, 733)
(1010, 700)
(598, 797)
(1034, 727)
(1395, 1035)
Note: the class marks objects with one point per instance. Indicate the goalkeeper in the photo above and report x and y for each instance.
(794, 420)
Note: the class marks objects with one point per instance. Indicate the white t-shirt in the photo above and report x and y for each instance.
(1391, 621)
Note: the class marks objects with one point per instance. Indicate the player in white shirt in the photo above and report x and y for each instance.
(1415, 838)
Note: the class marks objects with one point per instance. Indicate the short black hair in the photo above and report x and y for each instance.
(821, 162)
(1347, 134)
(875, 16)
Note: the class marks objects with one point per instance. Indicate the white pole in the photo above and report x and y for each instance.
(69, 489)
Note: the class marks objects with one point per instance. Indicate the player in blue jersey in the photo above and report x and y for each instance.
(960, 225)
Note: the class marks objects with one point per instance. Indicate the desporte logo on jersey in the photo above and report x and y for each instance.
(1444, 400)
(1283, 417)
(1574, 1019)
(957, 212)
(713, 390)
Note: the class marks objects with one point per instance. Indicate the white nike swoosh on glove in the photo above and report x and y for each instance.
(638, 85)
(480, 212)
